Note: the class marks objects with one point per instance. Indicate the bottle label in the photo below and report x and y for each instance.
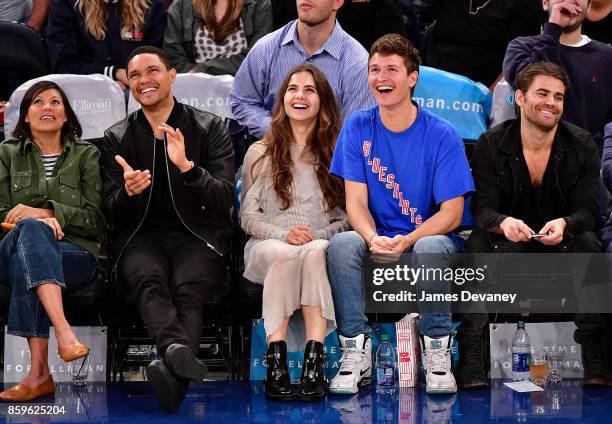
(520, 362)
(384, 376)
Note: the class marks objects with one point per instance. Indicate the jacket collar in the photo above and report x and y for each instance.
(28, 144)
(510, 141)
(174, 115)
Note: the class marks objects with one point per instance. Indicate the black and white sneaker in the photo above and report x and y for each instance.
(355, 365)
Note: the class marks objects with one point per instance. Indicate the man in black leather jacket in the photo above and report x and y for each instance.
(168, 188)
(536, 191)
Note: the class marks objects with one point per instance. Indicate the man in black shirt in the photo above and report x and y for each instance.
(536, 191)
(168, 184)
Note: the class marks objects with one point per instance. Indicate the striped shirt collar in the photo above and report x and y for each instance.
(333, 45)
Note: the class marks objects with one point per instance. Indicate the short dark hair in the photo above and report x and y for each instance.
(163, 57)
(71, 128)
(525, 78)
(396, 44)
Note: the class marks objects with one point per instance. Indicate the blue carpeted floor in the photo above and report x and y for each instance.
(235, 402)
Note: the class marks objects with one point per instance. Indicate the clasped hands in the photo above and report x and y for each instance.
(136, 181)
(21, 211)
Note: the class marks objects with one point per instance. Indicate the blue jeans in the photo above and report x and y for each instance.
(345, 255)
(30, 256)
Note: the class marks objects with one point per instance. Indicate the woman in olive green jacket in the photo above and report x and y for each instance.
(214, 36)
(50, 209)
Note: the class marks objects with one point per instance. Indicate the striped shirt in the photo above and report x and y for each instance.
(342, 59)
(49, 162)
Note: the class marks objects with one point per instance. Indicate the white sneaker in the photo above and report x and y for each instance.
(355, 365)
(437, 363)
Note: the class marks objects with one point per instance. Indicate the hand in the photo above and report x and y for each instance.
(135, 181)
(555, 230)
(563, 12)
(382, 244)
(299, 235)
(516, 230)
(55, 226)
(20, 212)
(176, 147)
(404, 243)
(121, 78)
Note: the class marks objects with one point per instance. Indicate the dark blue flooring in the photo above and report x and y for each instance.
(235, 402)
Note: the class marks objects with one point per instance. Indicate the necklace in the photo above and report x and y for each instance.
(479, 8)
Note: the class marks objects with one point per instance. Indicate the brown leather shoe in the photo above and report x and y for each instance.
(23, 393)
(74, 351)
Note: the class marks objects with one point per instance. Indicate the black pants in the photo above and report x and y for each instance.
(173, 274)
(590, 327)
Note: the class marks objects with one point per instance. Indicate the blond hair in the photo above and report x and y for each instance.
(95, 15)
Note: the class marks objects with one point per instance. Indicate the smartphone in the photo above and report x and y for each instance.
(537, 236)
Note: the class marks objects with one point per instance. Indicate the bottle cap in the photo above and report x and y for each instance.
(384, 337)
(520, 324)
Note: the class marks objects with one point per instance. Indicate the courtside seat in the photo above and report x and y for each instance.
(97, 101)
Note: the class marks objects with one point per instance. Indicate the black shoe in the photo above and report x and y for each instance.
(183, 362)
(278, 382)
(169, 389)
(595, 363)
(470, 369)
(312, 382)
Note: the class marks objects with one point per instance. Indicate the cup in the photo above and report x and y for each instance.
(80, 370)
(555, 362)
(538, 368)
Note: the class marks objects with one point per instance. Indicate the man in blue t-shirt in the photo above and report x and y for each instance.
(406, 176)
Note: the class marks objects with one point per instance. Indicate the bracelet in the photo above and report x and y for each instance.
(370, 239)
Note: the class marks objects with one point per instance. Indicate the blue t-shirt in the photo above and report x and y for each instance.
(408, 173)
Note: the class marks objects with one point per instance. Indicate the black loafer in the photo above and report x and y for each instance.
(170, 391)
(182, 362)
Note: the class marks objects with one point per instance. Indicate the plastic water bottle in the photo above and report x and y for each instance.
(521, 353)
(385, 366)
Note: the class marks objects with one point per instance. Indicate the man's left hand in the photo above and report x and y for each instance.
(555, 230)
(176, 147)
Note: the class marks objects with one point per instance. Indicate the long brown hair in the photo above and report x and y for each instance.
(95, 14)
(228, 24)
(320, 142)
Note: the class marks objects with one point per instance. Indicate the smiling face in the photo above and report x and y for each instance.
(389, 80)
(46, 112)
(150, 80)
(301, 100)
(542, 103)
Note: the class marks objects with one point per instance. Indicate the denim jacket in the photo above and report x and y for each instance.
(74, 192)
(500, 179)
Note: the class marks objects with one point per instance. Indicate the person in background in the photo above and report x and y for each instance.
(214, 36)
(291, 207)
(587, 62)
(315, 37)
(51, 206)
(598, 24)
(470, 37)
(97, 36)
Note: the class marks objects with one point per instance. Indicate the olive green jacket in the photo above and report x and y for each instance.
(73, 192)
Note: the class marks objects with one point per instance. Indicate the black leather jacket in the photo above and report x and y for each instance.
(499, 176)
(202, 196)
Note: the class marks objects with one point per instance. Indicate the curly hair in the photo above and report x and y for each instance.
(95, 14)
(228, 24)
(320, 142)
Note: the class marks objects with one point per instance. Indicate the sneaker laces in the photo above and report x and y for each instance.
(436, 360)
(350, 358)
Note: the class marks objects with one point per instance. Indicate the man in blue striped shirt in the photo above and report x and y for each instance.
(315, 37)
